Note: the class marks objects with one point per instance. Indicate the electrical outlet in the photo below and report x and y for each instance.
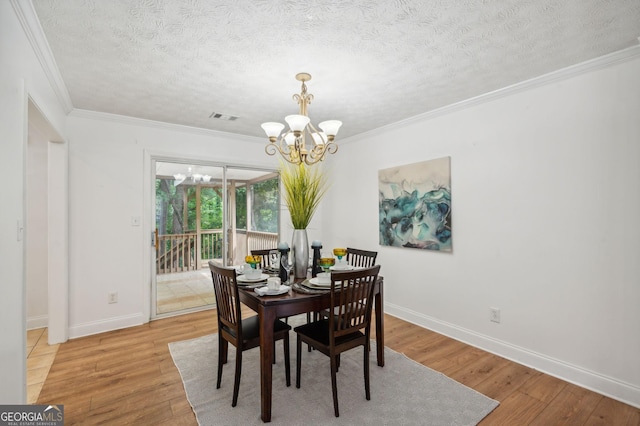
(494, 314)
(113, 297)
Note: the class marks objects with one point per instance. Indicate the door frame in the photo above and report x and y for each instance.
(149, 292)
(57, 200)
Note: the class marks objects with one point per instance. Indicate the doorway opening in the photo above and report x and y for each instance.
(46, 278)
(207, 212)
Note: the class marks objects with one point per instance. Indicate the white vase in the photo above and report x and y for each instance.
(300, 253)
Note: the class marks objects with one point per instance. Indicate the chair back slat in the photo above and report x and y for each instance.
(361, 258)
(227, 298)
(351, 300)
(265, 256)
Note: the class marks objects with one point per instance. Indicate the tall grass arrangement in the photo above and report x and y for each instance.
(304, 187)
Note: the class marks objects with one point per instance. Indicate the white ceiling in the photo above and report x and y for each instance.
(373, 62)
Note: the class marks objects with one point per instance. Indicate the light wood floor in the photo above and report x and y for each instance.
(128, 377)
(40, 356)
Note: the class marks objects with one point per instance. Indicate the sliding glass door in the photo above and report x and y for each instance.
(206, 212)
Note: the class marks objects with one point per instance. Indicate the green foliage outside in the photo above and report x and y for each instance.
(210, 209)
(265, 203)
(169, 207)
(241, 208)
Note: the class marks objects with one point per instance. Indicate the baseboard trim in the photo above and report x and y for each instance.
(96, 327)
(604, 385)
(40, 321)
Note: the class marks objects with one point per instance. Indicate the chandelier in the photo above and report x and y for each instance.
(191, 178)
(302, 143)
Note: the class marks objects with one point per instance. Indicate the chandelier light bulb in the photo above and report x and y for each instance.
(272, 130)
(290, 138)
(330, 127)
(296, 122)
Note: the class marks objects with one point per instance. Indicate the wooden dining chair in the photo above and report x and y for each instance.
(358, 259)
(361, 258)
(350, 327)
(244, 334)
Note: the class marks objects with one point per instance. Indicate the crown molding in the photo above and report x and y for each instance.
(605, 61)
(133, 121)
(31, 25)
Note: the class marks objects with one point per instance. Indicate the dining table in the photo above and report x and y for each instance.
(294, 302)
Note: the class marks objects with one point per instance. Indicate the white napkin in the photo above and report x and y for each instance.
(263, 291)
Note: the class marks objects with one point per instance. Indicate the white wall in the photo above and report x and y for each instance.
(108, 165)
(36, 259)
(545, 203)
(21, 76)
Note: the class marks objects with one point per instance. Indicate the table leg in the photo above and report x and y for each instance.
(379, 303)
(267, 318)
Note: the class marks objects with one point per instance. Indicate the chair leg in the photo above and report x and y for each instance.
(236, 384)
(274, 352)
(308, 321)
(222, 358)
(367, 388)
(224, 345)
(298, 360)
(287, 363)
(334, 385)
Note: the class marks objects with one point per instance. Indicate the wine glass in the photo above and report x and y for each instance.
(326, 263)
(253, 260)
(340, 253)
(287, 263)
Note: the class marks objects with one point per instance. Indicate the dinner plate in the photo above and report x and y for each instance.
(342, 268)
(264, 291)
(314, 282)
(244, 279)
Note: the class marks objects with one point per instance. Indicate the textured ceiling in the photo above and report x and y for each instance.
(373, 62)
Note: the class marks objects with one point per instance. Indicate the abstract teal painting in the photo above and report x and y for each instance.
(415, 205)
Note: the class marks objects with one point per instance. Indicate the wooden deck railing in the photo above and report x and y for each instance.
(177, 252)
(261, 240)
(211, 245)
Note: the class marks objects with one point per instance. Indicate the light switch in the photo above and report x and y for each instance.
(135, 220)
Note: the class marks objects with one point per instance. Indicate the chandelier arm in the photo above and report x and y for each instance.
(280, 146)
(271, 149)
(318, 152)
(313, 129)
(331, 148)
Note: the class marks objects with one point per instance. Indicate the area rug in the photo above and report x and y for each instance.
(403, 392)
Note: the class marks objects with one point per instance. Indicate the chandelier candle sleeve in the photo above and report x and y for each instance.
(302, 143)
(316, 246)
